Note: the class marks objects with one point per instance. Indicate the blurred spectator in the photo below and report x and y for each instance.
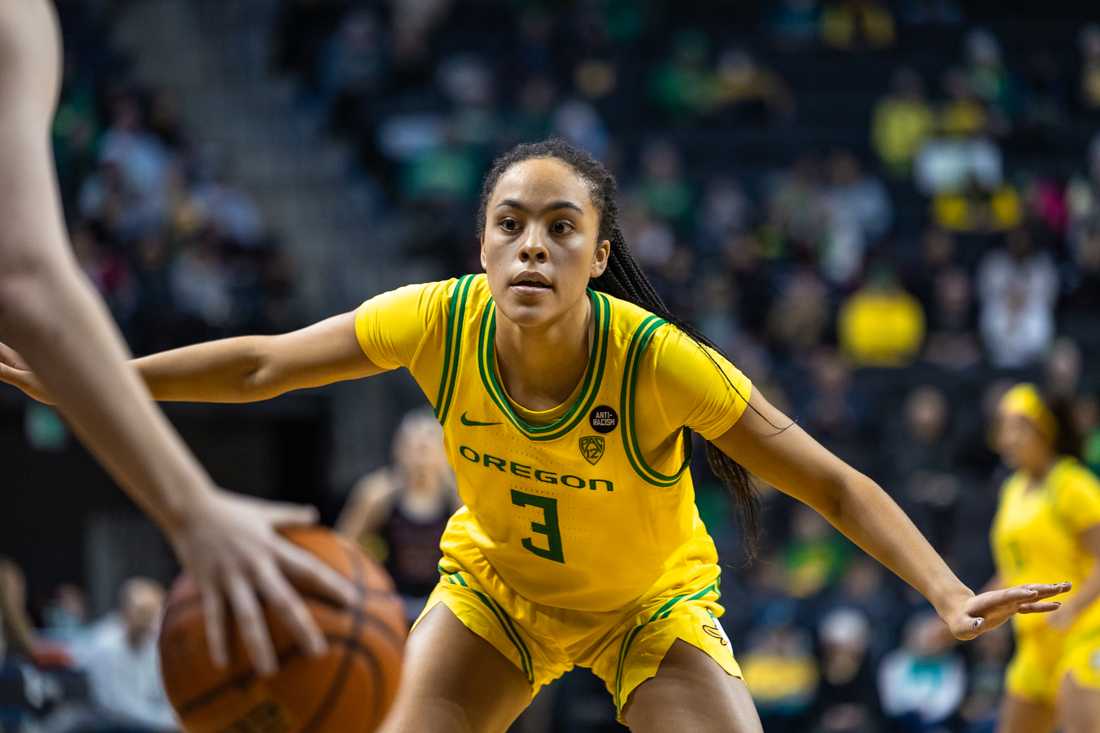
(846, 700)
(952, 343)
(794, 23)
(865, 588)
(816, 555)
(1063, 370)
(833, 413)
(748, 92)
(931, 12)
(724, 212)
(66, 615)
(16, 631)
(200, 283)
(858, 212)
(1083, 196)
(663, 187)
(1089, 75)
(683, 86)
(978, 208)
(800, 313)
(399, 513)
(922, 683)
(990, 654)
(855, 24)
(782, 674)
(579, 122)
(122, 662)
(920, 463)
(881, 324)
(1018, 287)
(352, 64)
(902, 121)
(796, 205)
(989, 78)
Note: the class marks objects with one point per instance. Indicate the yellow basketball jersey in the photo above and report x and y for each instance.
(1035, 534)
(586, 506)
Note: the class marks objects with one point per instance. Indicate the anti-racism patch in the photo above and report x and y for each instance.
(603, 419)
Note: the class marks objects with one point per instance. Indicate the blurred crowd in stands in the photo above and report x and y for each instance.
(178, 252)
(884, 212)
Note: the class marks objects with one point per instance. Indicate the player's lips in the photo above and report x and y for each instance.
(531, 282)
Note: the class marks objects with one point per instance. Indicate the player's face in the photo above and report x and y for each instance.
(1020, 443)
(541, 244)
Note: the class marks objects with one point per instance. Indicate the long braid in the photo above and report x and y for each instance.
(624, 279)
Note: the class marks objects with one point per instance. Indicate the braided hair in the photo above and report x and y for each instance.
(624, 279)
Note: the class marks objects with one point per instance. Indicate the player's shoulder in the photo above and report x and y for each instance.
(1073, 472)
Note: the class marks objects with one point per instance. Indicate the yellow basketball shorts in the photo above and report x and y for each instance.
(1043, 660)
(623, 648)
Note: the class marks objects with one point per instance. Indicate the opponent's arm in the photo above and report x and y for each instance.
(50, 312)
(242, 369)
(798, 465)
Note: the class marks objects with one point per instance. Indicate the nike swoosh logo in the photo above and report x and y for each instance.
(475, 423)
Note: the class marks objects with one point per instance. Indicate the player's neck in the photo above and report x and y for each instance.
(541, 366)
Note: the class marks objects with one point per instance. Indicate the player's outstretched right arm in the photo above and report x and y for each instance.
(241, 369)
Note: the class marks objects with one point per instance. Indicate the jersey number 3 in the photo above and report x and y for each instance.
(548, 526)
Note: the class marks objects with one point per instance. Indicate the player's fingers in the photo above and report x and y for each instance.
(251, 626)
(288, 606)
(1044, 607)
(284, 515)
(986, 602)
(1046, 590)
(968, 627)
(10, 356)
(309, 572)
(214, 616)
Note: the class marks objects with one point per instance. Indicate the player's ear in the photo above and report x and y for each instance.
(600, 258)
(481, 246)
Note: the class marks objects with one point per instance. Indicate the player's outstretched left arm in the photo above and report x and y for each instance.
(796, 464)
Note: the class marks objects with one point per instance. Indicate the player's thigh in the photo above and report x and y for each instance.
(454, 681)
(1078, 707)
(691, 692)
(1025, 716)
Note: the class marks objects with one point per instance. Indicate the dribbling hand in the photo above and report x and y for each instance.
(230, 548)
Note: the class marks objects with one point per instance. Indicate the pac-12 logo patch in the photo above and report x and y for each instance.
(592, 448)
(603, 419)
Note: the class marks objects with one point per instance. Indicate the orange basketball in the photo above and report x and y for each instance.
(348, 689)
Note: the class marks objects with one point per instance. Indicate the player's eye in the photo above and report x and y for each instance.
(508, 224)
(561, 227)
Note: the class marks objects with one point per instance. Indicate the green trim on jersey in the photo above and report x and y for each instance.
(638, 343)
(597, 359)
(661, 613)
(453, 347)
(502, 618)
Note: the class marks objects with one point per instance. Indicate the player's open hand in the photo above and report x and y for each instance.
(981, 613)
(230, 548)
(15, 371)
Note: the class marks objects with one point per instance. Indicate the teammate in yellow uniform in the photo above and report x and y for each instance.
(567, 400)
(1049, 523)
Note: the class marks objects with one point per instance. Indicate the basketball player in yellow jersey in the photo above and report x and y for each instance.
(1049, 522)
(50, 312)
(566, 400)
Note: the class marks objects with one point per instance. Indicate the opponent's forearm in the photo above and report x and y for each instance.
(53, 317)
(869, 517)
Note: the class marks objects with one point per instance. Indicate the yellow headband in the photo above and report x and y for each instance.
(1024, 399)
